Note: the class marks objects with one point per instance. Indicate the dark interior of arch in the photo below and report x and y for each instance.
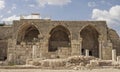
(28, 34)
(59, 38)
(3, 50)
(90, 41)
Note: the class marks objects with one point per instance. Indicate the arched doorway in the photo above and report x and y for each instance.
(90, 41)
(59, 37)
(3, 50)
(27, 34)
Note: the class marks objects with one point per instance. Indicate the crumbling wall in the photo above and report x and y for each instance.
(114, 37)
(44, 27)
(3, 50)
(5, 34)
(26, 51)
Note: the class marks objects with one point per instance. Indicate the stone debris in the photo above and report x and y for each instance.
(82, 62)
(74, 62)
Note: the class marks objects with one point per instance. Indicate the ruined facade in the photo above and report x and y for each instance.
(41, 38)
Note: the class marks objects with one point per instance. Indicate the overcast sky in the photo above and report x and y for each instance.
(108, 10)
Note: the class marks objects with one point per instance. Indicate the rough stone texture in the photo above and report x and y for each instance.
(57, 39)
(115, 39)
(49, 70)
(118, 59)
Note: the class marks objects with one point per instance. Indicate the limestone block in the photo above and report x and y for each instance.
(107, 53)
(118, 59)
(114, 57)
(53, 63)
(89, 66)
(75, 42)
(18, 46)
(105, 63)
(53, 56)
(76, 49)
(63, 52)
(86, 52)
(23, 43)
(110, 44)
(10, 57)
(29, 61)
(34, 49)
(37, 43)
(94, 63)
(45, 63)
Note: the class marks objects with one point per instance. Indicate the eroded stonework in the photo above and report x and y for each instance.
(38, 38)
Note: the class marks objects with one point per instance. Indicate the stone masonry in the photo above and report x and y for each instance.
(43, 38)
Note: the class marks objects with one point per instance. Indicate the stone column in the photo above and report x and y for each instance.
(80, 41)
(11, 53)
(44, 47)
(118, 59)
(10, 58)
(86, 52)
(34, 51)
(100, 46)
(75, 47)
(40, 48)
(114, 55)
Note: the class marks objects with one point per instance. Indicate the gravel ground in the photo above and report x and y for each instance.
(43, 70)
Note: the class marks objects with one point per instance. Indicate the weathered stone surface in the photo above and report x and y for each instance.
(115, 39)
(56, 39)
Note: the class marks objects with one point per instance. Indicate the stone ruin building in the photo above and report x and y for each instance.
(44, 38)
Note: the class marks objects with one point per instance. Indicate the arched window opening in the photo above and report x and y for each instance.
(59, 38)
(90, 41)
(27, 34)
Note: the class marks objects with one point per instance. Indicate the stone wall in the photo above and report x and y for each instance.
(114, 37)
(25, 51)
(3, 50)
(20, 52)
(5, 32)
(107, 51)
(74, 27)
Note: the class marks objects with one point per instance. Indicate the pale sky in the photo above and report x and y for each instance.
(108, 10)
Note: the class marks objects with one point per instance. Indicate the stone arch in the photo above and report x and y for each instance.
(91, 26)
(27, 33)
(59, 37)
(90, 41)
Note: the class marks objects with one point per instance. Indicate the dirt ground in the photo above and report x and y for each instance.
(44, 70)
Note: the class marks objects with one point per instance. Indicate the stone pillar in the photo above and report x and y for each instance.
(86, 52)
(118, 59)
(40, 49)
(10, 57)
(100, 46)
(11, 53)
(114, 55)
(34, 51)
(75, 47)
(37, 49)
(80, 41)
(23, 44)
(44, 48)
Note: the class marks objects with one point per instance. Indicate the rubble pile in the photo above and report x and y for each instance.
(80, 59)
(82, 62)
(52, 63)
(73, 62)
